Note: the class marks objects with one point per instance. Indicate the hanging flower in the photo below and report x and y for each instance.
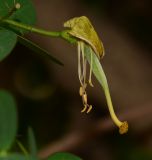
(90, 48)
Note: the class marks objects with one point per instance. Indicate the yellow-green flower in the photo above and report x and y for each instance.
(82, 28)
(90, 48)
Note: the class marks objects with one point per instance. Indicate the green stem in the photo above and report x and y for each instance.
(23, 149)
(61, 34)
(123, 126)
(110, 106)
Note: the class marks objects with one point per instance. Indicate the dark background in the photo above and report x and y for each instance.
(47, 94)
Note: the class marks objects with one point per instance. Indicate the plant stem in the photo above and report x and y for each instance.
(101, 77)
(61, 34)
(123, 126)
(23, 149)
(110, 106)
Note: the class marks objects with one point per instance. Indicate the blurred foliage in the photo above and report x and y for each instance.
(9, 33)
(8, 120)
(7, 42)
(36, 88)
(32, 142)
(63, 156)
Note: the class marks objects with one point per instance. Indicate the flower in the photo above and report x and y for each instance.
(82, 29)
(90, 48)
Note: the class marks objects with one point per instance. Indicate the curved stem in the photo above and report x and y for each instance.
(110, 106)
(123, 126)
(101, 77)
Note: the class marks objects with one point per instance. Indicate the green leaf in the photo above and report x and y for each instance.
(8, 120)
(63, 156)
(96, 67)
(7, 42)
(16, 156)
(13, 157)
(32, 142)
(26, 14)
(34, 47)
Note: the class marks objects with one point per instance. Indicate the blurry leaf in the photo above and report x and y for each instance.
(7, 42)
(16, 156)
(8, 120)
(96, 67)
(32, 142)
(25, 14)
(34, 47)
(63, 156)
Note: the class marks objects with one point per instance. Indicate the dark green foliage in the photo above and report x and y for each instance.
(63, 156)
(8, 120)
(32, 142)
(8, 38)
(21, 15)
(7, 42)
(16, 156)
(24, 13)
